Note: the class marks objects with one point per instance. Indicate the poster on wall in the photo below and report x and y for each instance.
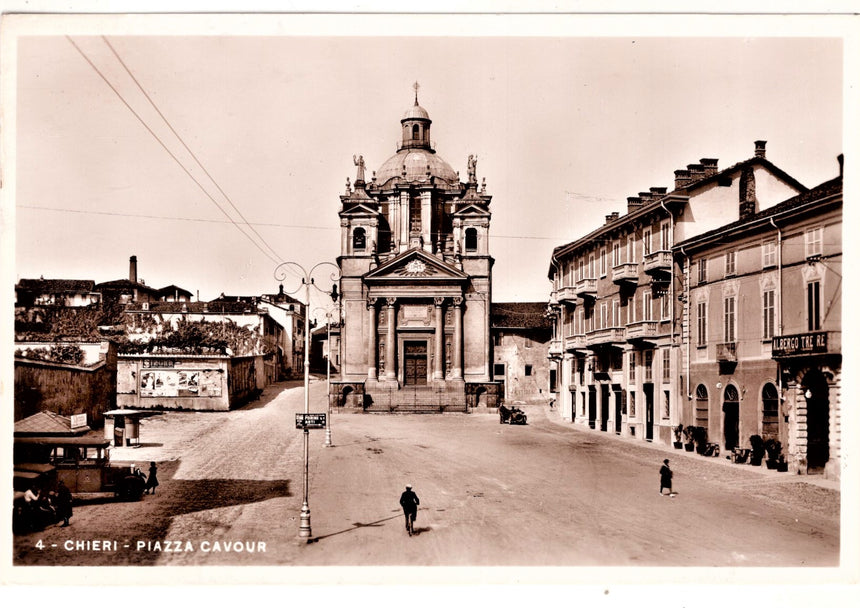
(180, 383)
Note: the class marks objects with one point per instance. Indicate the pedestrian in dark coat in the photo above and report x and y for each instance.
(64, 503)
(409, 501)
(666, 477)
(152, 480)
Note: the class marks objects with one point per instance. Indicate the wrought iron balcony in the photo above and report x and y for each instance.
(626, 273)
(575, 342)
(607, 335)
(726, 352)
(586, 288)
(658, 262)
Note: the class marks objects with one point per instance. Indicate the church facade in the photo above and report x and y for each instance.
(416, 278)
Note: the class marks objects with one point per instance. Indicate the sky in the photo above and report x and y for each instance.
(565, 124)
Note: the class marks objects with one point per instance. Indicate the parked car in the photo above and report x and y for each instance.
(512, 415)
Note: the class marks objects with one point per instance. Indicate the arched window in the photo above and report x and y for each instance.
(702, 406)
(731, 393)
(359, 239)
(415, 131)
(471, 239)
(769, 410)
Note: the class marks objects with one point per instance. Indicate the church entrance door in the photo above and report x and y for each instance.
(415, 363)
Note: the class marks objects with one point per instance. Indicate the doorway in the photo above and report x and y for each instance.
(415, 363)
(592, 406)
(617, 393)
(604, 406)
(731, 418)
(648, 389)
(817, 421)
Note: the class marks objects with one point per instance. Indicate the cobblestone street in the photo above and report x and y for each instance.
(545, 494)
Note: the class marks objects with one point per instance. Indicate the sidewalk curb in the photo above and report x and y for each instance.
(554, 417)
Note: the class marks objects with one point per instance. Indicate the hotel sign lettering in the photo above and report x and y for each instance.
(799, 344)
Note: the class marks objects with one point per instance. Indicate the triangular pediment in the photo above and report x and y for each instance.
(472, 211)
(359, 210)
(415, 264)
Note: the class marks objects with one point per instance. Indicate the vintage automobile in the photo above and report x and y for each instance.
(83, 464)
(512, 415)
(39, 514)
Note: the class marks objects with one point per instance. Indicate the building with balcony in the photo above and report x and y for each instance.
(617, 346)
(762, 328)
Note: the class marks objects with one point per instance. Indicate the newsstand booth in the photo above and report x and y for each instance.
(122, 427)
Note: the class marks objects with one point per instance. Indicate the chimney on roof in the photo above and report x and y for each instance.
(710, 165)
(697, 172)
(759, 148)
(646, 197)
(658, 191)
(682, 178)
(612, 217)
(841, 160)
(132, 269)
(633, 203)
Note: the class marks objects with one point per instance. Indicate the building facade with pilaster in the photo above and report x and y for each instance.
(762, 309)
(617, 318)
(416, 278)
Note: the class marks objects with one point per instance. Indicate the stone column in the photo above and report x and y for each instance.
(439, 355)
(371, 338)
(457, 355)
(390, 368)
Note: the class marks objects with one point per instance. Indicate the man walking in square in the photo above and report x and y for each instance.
(409, 501)
(666, 478)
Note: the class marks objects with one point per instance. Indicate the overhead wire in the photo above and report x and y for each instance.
(182, 141)
(163, 145)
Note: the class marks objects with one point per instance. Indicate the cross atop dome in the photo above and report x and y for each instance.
(416, 86)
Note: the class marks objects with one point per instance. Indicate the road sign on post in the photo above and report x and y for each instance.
(310, 421)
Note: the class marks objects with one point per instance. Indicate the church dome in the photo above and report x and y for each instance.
(416, 161)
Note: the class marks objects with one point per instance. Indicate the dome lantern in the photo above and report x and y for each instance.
(416, 126)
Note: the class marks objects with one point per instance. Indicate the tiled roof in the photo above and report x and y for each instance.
(526, 315)
(828, 188)
(47, 423)
(684, 191)
(125, 284)
(56, 285)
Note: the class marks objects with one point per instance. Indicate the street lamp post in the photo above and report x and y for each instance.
(328, 316)
(307, 282)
